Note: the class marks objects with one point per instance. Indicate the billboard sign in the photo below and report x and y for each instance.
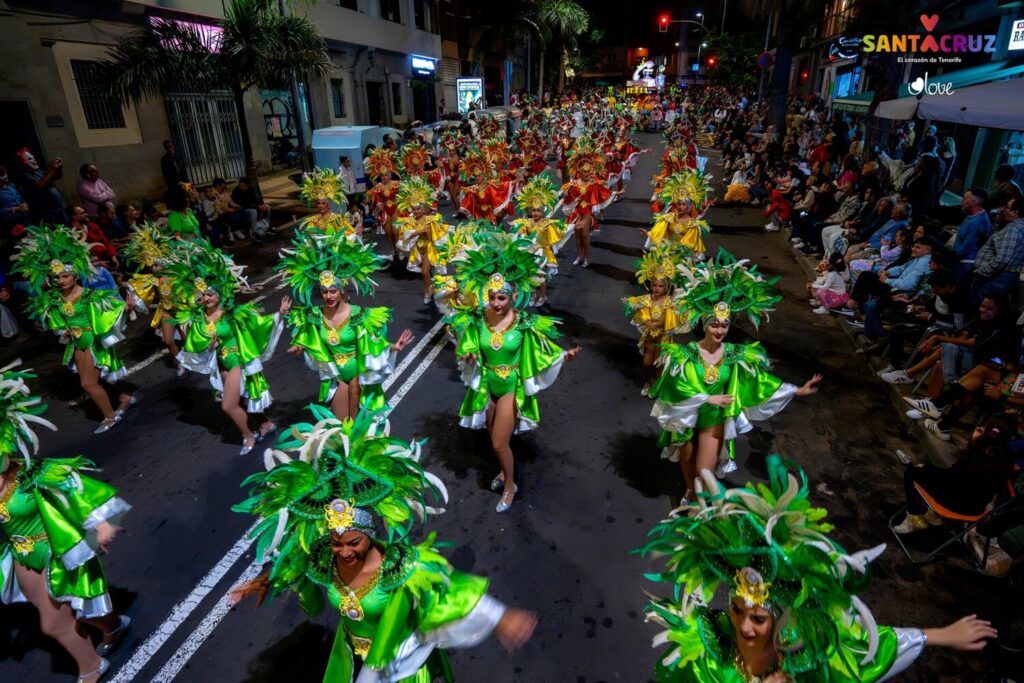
(469, 91)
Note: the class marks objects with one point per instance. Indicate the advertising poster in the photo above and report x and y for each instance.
(469, 90)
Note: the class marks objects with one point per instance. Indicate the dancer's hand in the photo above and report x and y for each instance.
(720, 400)
(286, 304)
(105, 533)
(515, 628)
(968, 633)
(295, 350)
(809, 387)
(403, 340)
(469, 358)
(258, 587)
(572, 353)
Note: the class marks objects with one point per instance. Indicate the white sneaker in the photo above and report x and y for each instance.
(924, 405)
(887, 368)
(771, 227)
(896, 377)
(820, 310)
(933, 427)
(904, 457)
(796, 240)
(239, 235)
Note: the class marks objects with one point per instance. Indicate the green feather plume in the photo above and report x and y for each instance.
(310, 258)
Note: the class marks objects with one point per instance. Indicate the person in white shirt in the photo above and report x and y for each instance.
(348, 176)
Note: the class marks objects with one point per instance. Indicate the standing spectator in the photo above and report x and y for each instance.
(922, 190)
(244, 195)
(973, 232)
(1003, 187)
(94, 191)
(999, 261)
(37, 186)
(947, 153)
(348, 176)
(13, 209)
(172, 166)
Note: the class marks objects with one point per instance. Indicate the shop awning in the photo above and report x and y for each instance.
(906, 105)
(990, 105)
(854, 104)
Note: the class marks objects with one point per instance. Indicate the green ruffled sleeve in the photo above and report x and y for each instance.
(755, 391)
(197, 339)
(467, 331)
(256, 334)
(374, 360)
(541, 358)
(679, 380)
(305, 328)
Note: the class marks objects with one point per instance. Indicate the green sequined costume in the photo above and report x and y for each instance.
(522, 360)
(686, 383)
(48, 516)
(93, 322)
(241, 337)
(358, 348)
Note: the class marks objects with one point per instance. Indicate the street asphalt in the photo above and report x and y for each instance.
(591, 486)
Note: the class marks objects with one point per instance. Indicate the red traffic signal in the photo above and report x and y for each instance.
(663, 23)
(712, 61)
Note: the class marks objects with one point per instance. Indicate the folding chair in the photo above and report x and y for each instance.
(969, 522)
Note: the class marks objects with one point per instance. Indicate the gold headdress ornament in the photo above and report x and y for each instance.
(496, 151)
(414, 157)
(585, 158)
(475, 165)
(498, 283)
(656, 265)
(686, 185)
(323, 184)
(539, 193)
(751, 588)
(381, 163)
(343, 516)
(149, 247)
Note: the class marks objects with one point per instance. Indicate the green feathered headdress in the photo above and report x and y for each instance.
(725, 287)
(315, 466)
(315, 262)
(501, 262)
(662, 262)
(200, 268)
(46, 251)
(150, 247)
(539, 193)
(19, 414)
(323, 183)
(769, 547)
(686, 185)
(413, 192)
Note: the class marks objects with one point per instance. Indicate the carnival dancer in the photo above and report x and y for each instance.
(710, 390)
(336, 506)
(54, 520)
(324, 191)
(507, 355)
(673, 162)
(344, 343)
(466, 237)
(793, 608)
(414, 159)
(150, 249)
(450, 141)
(537, 201)
(658, 314)
(585, 194)
(90, 322)
(685, 198)
(420, 229)
(381, 167)
(227, 341)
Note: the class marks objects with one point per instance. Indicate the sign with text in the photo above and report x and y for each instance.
(469, 91)
(1017, 35)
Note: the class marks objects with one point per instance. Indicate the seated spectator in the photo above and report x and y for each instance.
(1004, 187)
(849, 205)
(13, 208)
(107, 222)
(239, 222)
(128, 217)
(829, 290)
(103, 250)
(355, 218)
(954, 354)
(93, 190)
(999, 261)
(836, 238)
(973, 232)
(38, 189)
(244, 195)
(153, 215)
(874, 290)
(781, 207)
(979, 473)
(181, 222)
(217, 231)
(873, 243)
(888, 255)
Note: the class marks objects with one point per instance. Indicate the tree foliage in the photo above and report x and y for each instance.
(735, 58)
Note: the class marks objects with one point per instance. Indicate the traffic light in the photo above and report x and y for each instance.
(663, 23)
(712, 61)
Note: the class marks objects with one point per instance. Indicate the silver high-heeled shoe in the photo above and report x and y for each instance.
(98, 673)
(502, 505)
(106, 648)
(497, 484)
(246, 450)
(107, 424)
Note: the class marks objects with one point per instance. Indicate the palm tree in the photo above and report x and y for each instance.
(562, 19)
(256, 46)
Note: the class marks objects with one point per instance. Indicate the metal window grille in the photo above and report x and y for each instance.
(204, 127)
(396, 98)
(338, 97)
(102, 110)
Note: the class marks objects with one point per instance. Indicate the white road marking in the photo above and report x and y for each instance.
(182, 610)
(417, 349)
(183, 654)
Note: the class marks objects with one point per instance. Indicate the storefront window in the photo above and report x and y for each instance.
(391, 10)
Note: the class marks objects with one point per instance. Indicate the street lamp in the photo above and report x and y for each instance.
(700, 15)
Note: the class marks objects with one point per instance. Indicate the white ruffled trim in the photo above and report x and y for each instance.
(258, 404)
(909, 644)
(85, 608)
(470, 374)
(538, 383)
(379, 367)
(326, 371)
(775, 403)
(275, 337)
(77, 555)
(116, 333)
(478, 420)
(412, 653)
(678, 417)
(110, 512)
